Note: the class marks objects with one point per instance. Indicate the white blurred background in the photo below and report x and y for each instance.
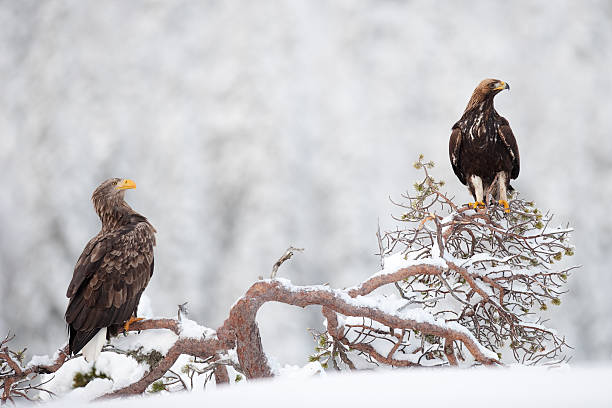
(252, 125)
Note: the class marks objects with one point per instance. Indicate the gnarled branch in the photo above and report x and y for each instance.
(240, 329)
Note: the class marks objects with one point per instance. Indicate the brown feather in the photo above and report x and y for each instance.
(453, 151)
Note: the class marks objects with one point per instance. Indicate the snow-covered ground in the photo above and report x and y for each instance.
(479, 387)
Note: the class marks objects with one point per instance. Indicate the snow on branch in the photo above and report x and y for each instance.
(254, 362)
(17, 381)
(202, 348)
(500, 269)
(240, 331)
(15, 378)
(458, 286)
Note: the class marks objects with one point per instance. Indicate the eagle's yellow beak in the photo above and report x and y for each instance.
(125, 184)
(502, 85)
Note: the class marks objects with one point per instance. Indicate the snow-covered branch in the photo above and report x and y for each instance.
(203, 348)
(499, 269)
(470, 284)
(242, 321)
(240, 330)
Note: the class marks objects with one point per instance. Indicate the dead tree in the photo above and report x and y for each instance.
(469, 283)
(497, 270)
(240, 331)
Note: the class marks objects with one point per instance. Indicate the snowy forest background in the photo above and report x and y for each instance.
(250, 126)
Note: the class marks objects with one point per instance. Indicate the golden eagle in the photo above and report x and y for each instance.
(111, 273)
(482, 146)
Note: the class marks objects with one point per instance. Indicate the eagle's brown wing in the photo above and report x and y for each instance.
(454, 151)
(509, 141)
(88, 262)
(109, 279)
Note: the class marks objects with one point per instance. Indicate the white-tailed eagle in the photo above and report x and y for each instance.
(111, 273)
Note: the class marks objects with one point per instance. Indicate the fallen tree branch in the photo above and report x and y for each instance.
(202, 348)
(242, 324)
(240, 331)
(18, 374)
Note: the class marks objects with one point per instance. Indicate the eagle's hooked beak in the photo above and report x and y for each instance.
(125, 184)
(501, 85)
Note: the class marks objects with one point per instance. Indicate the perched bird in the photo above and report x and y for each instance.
(482, 146)
(111, 273)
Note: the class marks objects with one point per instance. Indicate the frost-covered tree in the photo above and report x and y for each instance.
(491, 272)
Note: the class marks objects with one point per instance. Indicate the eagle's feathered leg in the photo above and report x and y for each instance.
(475, 185)
(502, 195)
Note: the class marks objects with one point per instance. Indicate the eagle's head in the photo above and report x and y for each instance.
(108, 197)
(485, 91)
(112, 189)
(491, 87)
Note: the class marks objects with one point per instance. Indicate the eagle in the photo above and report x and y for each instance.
(482, 147)
(111, 273)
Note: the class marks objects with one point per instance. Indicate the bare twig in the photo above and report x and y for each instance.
(285, 257)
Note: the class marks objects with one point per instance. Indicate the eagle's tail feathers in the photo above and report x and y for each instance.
(91, 351)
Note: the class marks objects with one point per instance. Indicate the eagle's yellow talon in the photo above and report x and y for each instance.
(477, 204)
(505, 204)
(133, 319)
